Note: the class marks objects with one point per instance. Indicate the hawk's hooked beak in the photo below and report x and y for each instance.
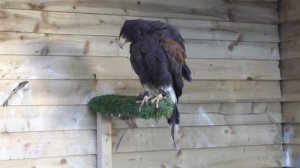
(122, 41)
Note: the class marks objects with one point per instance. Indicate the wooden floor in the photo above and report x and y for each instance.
(66, 50)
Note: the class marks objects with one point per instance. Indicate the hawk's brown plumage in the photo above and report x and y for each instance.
(157, 55)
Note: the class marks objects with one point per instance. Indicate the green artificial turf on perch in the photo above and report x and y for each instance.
(125, 107)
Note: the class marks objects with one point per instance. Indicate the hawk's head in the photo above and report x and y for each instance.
(132, 30)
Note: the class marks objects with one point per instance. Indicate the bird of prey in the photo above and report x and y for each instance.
(157, 55)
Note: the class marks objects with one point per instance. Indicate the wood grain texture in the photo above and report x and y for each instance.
(230, 108)
(46, 118)
(86, 161)
(67, 51)
(291, 112)
(104, 142)
(47, 144)
(290, 10)
(290, 49)
(290, 90)
(90, 24)
(291, 134)
(289, 17)
(192, 29)
(205, 119)
(54, 118)
(58, 45)
(76, 45)
(290, 31)
(76, 92)
(239, 11)
(290, 69)
(155, 139)
(50, 67)
(231, 50)
(291, 155)
(217, 114)
(61, 23)
(246, 157)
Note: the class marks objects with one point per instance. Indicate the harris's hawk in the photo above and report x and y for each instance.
(157, 55)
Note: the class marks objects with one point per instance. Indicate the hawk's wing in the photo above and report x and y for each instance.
(168, 31)
(176, 56)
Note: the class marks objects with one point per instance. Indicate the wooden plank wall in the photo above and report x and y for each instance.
(290, 59)
(56, 55)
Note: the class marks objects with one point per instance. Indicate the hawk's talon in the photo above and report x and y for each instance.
(157, 100)
(145, 100)
(145, 97)
(162, 95)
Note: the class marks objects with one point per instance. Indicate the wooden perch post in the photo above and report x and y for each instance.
(123, 107)
(104, 142)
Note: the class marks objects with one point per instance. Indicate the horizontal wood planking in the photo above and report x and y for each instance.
(291, 155)
(218, 114)
(62, 23)
(77, 45)
(47, 144)
(86, 161)
(231, 50)
(155, 139)
(290, 10)
(53, 118)
(246, 157)
(90, 24)
(291, 112)
(290, 69)
(86, 51)
(46, 118)
(241, 11)
(289, 16)
(205, 119)
(290, 49)
(290, 90)
(195, 29)
(290, 31)
(59, 45)
(291, 133)
(76, 92)
(50, 67)
(230, 108)
(292, 149)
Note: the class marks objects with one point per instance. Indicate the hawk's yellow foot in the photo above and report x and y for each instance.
(162, 95)
(143, 99)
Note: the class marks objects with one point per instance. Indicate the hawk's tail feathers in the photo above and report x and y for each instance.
(186, 73)
(175, 118)
(173, 121)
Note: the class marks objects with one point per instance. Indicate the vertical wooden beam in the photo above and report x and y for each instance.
(104, 143)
